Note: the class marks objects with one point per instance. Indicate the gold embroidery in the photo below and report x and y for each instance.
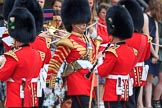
(113, 50)
(61, 54)
(42, 54)
(79, 48)
(54, 62)
(54, 66)
(135, 51)
(58, 56)
(12, 54)
(77, 34)
(65, 42)
(48, 41)
(66, 51)
(149, 39)
(53, 69)
(51, 81)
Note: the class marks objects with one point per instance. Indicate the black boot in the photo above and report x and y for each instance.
(156, 104)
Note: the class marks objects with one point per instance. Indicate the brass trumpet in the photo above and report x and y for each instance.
(53, 28)
(57, 33)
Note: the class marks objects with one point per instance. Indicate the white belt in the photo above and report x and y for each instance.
(85, 64)
(104, 45)
(32, 80)
(139, 64)
(118, 76)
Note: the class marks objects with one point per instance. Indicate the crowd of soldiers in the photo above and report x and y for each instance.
(59, 63)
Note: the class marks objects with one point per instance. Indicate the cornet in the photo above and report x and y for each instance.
(57, 33)
(53, 28)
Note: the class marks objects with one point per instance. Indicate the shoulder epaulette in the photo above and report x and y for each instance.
(113, 50)
(65, 42)
(48, 41)
(42, 54)
(135, 51)
(12, 54)
(149, 38)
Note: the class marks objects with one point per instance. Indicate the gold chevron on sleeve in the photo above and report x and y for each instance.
(62, 52)
(53, 69)
(61, 55)
(54, 65)
(59, 58)
(65, 42)
(52, 61)
(65, 50)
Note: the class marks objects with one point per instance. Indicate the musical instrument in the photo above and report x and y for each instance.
(53, 27)
(95, 64)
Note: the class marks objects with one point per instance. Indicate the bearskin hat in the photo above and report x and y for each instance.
(21, 25)
(119, 22)
(35, 9)
(31, 5)
(136, 13)
(75, 12)
(7, 7)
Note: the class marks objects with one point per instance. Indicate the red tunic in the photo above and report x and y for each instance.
(18, 65)
(40, 43)
(140, 42)
(43, 44)
(119, 60)
(77, 84)
(102, 33)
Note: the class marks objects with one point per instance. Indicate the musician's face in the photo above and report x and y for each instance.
(80, 28)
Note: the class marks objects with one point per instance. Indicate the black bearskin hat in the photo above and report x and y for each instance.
(35, 9)
(31, 5)
(21, 25)
(136, 13)
(7, 7)
(119, 22)
(75, 12)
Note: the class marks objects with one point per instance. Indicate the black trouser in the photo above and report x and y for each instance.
(41, 100)
(114, 104)
(132, 101)
(81, 101)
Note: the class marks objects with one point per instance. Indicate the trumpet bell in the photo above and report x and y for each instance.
(56, 22)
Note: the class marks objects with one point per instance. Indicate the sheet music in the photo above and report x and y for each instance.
(8, 40)
(2, 30)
